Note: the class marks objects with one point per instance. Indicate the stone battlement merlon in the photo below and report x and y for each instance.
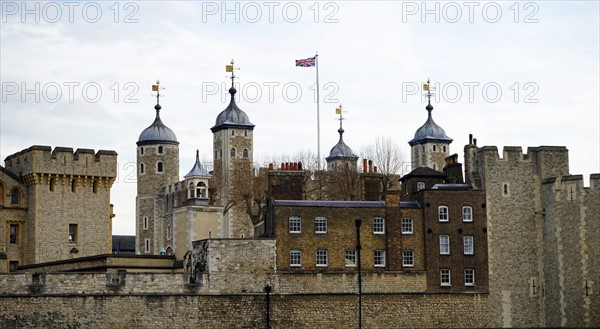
(40, 159)
(575, 179)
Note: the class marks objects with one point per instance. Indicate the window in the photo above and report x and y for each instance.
(169, 232)
(467, 214)
(15, 197)
(233, 133)
(159, 167)
(142, 150)
(420, 186)
(245, 134)
(469, 277)
(72, 233)
(141, 168)
(95, 187)
(12, 266)
(468, 244)
(320, 225)
(322, 257)
(245, 153)
(350, 258)
(220, 153)
(232, 152)
(160, 150)
(201, 190)
(379, 258)
(433, 148)
(14, 233)
(445, 277)
(145, 223)
(408, 258)
(295, 258)
(147, 245)
(295, 224)
(444, 245)
(216, 154)
(443, 213)
(505, 191)
(378, 226)
(52, 184)
(73, 185)
(407, 226)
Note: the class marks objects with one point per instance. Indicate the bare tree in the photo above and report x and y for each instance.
(388, 157)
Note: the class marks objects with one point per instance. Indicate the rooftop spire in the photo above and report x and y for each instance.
(231, 68)
(339, 111)
(157, 88)
(426, 87)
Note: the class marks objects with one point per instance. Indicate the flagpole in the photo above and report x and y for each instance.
(318, 115)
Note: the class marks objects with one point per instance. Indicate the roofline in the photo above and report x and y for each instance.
(332, 204)
(156, 141)
(248, 126)
(414, 142)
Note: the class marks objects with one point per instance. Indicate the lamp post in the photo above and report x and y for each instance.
(358, 222)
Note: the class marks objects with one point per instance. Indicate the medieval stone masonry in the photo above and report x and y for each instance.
(513, 240)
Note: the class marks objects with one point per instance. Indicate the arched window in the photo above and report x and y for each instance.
(52, 184)
(191, 191)
(15, 196)
(142, 150)
(95, 187)
(201, 190)
(160, 150)
(245, 153)
(232, 153)
(159, 167)
(141, 168)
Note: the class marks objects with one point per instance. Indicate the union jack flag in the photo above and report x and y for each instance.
(309, 62)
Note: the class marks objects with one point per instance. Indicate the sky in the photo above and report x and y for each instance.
(79, 74)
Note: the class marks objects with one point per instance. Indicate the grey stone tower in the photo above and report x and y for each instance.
(430, 146)
(233, 153)
(157, 167)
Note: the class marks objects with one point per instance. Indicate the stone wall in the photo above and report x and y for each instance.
(149, 300)
(571, 239)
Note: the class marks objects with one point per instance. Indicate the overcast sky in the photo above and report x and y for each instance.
(513, 74)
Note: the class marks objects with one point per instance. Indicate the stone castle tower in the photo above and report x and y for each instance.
(233, 154)
(430, 146)
(59, 204)
(157, 167)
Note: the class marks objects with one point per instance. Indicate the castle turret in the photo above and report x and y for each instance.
(197, 183)
(341, 155)
(233, 152)
(431, 145)
(157, 166)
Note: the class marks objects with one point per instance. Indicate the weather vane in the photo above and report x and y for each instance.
(339, 111)
(427, 87)
(157, 88)
(231, 68)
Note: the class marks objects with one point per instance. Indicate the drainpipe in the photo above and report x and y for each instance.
(358, 222)
(268, 302)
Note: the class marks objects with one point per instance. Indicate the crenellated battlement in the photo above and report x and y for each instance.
(63, 161)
